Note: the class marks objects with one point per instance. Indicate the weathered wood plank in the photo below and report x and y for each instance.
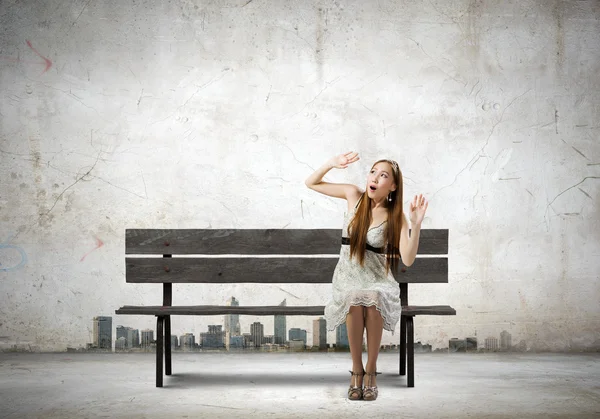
(219, 310)
(424, 270)
(428, 310)
(263, 270)
(256, 241)
(227, 270)
(265, 310)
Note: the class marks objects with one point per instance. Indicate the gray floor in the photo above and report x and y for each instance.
(297, 385)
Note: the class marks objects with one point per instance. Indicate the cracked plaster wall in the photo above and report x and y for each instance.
(197, 114)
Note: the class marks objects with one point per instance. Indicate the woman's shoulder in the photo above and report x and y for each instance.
(354, 199)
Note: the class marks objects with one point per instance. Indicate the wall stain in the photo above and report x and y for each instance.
(557, 13)
(40, 193)
(472, 30)
(321, 13)
(4, 254)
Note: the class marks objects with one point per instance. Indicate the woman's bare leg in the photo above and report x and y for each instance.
(374, 325)
(355, 324)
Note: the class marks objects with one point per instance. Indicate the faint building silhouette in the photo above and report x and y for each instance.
(341, 337)
(471, 344)
(320, 333)
(122, 332)
(418, 347)
(147, 338)
(214, 338)
(247, 340)
(270, 347)
(297, 345)
(297, 334)
(102, 331)
(257, 331)
(174, 342)
(231, 323)
(236, 342)
(457, 345)
(521, 346)
(505, 340)
(121, 344)
(187, 342)
(491, 344)
(279, 327)
(131, 335)
(133, 338)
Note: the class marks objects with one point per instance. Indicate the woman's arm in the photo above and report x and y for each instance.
(336, 190)
(410, 245)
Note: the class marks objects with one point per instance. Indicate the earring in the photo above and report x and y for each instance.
(390, 197)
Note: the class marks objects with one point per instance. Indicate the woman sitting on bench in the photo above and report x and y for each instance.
(374, 236)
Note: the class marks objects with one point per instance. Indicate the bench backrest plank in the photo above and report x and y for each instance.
(256, 241)
(260, 256)
(264, 270)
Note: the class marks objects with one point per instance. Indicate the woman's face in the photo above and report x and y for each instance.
(380, 181)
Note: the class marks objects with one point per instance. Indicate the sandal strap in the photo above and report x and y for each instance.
(356, 374)
(371, 387)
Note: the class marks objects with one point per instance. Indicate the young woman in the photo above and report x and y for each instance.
(374, 237)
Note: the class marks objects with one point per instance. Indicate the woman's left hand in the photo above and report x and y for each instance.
(417, 207)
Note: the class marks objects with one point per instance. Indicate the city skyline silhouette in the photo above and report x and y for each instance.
(230, 336)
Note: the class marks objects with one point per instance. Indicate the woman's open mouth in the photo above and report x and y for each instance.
(373, 188)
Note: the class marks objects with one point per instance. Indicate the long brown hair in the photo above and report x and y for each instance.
(359, 225)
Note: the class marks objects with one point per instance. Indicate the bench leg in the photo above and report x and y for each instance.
(410, 350)
(160, 337)
(167, 345)
(402, 345)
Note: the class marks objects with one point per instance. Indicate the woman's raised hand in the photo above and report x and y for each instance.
(343, 160)
(417, 209)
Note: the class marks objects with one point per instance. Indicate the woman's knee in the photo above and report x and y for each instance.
(372, 311)
(356, 310)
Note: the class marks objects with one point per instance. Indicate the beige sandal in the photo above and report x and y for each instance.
(370, 393)
(356, 392)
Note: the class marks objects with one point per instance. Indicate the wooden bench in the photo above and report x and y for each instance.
(263, 257)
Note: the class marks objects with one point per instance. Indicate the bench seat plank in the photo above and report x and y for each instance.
(315, 270)
(266, 310)
(217, 310)
(428, 311)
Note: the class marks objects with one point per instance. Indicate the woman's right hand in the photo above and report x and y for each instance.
(343, 160)
(337, 190)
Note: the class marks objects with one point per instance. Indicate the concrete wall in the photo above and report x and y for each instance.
(189, 114)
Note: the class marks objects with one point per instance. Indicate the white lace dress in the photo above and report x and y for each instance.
(365, 285)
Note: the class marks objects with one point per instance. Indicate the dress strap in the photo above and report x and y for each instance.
(358, 202)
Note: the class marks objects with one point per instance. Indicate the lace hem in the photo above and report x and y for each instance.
(389, 320)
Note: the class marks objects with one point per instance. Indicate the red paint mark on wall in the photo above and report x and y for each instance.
(99, 244)
(48, 62)
(523, 301)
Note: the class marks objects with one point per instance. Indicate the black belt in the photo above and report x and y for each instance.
(380, 250)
